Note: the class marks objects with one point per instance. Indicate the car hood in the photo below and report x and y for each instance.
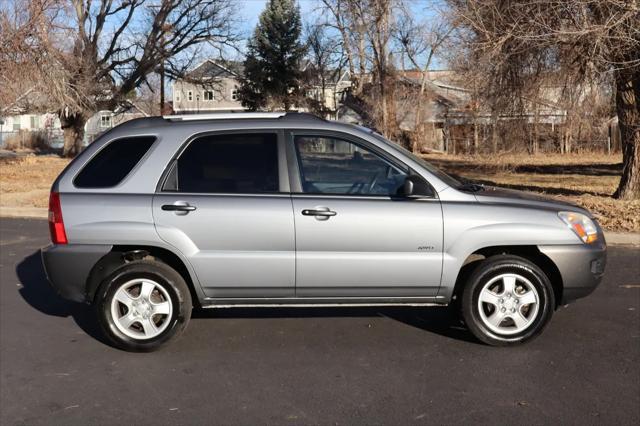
(494, 194)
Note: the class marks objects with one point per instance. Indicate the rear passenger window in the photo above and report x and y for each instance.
(234, 163)
(113, 162)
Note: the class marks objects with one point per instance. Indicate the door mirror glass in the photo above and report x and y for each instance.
(415, 186)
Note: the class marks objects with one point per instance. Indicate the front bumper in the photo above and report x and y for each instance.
(69, 266)
(581, 267)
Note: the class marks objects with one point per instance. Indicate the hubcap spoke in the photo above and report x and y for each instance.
(509, 282)
(487, 296)
(146, 290)
(519, 319)
(163, 308)
(124, 297)
(127, 320)
(149, 327)
(496, 318)
(528, 298)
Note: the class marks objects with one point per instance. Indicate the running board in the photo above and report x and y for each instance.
(317, 303)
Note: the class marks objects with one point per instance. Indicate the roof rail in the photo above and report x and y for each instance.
(224, 116)
(291, 115)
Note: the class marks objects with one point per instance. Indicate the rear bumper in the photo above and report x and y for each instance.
(581, 267)
(68, 267)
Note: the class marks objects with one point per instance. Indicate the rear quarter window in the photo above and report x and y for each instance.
(113, 162)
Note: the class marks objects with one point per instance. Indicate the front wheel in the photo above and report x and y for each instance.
(143, 305)
(507, 300)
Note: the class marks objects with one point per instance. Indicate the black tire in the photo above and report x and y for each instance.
(491, 268)
(162, 275)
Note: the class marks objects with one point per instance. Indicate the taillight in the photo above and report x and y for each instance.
(56, 225)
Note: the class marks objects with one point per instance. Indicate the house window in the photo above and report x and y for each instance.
(190, 95)
(35, 122)
(16, 124)
(105, 120)
(208, 95)
(234, 93)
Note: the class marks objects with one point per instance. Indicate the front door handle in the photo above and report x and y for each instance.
(183, 208)
(319, 213)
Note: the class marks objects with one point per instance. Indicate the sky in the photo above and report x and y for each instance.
(309, 9)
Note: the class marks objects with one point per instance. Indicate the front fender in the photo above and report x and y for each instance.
(470, 228)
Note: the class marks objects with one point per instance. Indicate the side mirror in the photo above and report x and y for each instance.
(416, 187)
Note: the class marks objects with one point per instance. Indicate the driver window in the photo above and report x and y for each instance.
(335, 166)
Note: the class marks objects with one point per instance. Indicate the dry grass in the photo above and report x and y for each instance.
(584, 179)
(26, 181)
(587, 180)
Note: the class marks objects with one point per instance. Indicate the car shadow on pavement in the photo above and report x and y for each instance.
(38, 293)
(438, 320)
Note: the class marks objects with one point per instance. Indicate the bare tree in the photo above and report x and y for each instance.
(326, 58)
(365, 27)
(419, 40)
(91, 55)
(19, 78)
(521, 43)
(350, 18)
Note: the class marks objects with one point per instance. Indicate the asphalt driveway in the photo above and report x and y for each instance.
(313, 366)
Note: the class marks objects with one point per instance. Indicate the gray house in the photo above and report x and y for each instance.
(209, 87)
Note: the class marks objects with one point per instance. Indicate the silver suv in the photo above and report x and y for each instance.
(161, 214)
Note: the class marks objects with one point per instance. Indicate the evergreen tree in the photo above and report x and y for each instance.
(272, 71)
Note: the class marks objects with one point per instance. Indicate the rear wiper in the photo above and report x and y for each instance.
(471, 187)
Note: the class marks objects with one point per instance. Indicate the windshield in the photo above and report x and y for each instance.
(430, 167)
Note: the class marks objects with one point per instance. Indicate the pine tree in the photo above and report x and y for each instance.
(272, 69)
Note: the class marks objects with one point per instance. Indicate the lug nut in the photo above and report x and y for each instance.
(513, 310)
(503, 310)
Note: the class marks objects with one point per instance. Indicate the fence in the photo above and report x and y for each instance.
(54, 138)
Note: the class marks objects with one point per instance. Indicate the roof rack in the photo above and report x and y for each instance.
(291, 115)
(224, 116)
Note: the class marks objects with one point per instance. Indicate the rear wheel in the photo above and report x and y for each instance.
(507, 300)
(143, 305)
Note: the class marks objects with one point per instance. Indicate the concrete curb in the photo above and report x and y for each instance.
(24, 212)
(622, 238)
(613, 238)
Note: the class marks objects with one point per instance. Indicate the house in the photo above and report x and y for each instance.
(16, 121)
(330, 94)
(210, 87)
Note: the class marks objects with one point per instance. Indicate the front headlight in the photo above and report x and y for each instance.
(584, 227)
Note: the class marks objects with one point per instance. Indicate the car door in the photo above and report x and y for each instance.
(225, 205)
(356, 234)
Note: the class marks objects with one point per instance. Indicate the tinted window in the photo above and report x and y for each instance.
(335, 166)
(113, 162)
(236, 163)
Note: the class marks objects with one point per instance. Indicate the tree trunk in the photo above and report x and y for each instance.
(72, 124)
(628, 109)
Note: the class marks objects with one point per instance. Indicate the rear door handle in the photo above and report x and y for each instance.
(319, 212)
(178, 208)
